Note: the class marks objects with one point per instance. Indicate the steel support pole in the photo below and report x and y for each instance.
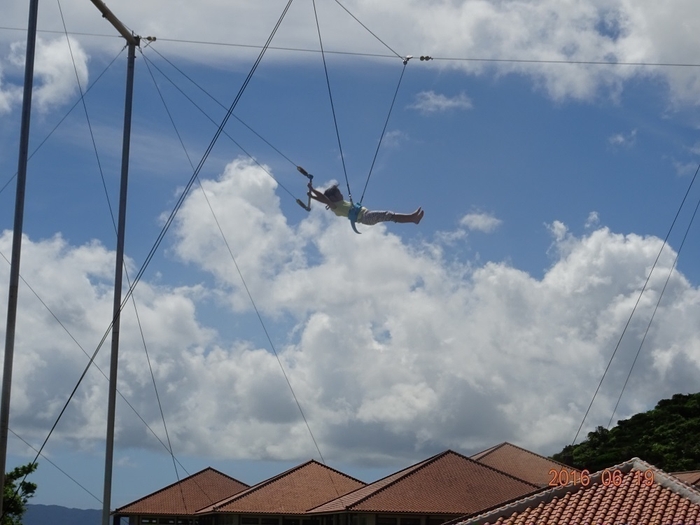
(121, 226)
(17, 243)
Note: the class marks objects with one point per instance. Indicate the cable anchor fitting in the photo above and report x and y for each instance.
(425, 57)
(407, 58)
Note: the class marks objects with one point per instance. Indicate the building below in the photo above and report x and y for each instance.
(504, 484)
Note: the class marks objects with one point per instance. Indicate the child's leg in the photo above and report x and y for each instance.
(370, 218)
(414, 217)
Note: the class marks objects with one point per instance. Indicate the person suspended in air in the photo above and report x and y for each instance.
(333, 199)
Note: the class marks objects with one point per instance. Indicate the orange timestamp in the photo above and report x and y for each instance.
(608, 478)
(562, 476)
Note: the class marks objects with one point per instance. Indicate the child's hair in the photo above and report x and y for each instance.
(333, 194)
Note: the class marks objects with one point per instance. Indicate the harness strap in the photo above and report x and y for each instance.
(352, 215)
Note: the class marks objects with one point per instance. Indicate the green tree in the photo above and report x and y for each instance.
(665, 436)
(17, 493)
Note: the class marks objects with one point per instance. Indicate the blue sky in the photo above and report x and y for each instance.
(548, 189)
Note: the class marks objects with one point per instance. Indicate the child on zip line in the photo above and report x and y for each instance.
(333, 199)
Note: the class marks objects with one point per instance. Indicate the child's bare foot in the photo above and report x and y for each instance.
(417, 215)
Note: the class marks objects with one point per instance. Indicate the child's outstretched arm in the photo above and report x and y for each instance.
(320, 197)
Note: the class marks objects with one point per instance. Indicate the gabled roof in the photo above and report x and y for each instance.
(186, 496)
(292, 492)
(691, 477)
(447, 483)
(520, 463)
(638, 499)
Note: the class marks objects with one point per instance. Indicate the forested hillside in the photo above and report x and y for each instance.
(667, 436)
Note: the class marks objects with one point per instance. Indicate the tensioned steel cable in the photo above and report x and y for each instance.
(381, 138)
(378, 55)
(658, 302)
(330, 96)
(368, 30)
(46, 458)
(636, 304)
(87, 115)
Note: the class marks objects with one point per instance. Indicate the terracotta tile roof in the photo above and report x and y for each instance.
(447, 483)
(186, 496)
(479, 455)
(520, 463)
(292, 492)
(638, 500)
(691, 477)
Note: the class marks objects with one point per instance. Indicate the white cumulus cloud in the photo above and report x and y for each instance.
(55, 69)
(392, 351)
(522, 38)
(593, 220)
(623, 139)
(10, 94)
(430, 102)
(483, 222)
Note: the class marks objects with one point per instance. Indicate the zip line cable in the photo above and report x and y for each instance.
(169, 220)
(218, 44)
(658, 302)
(65, 116)
(564, 62)
(636, 304)
(330, 96)
(377, 55)
(57, 32)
